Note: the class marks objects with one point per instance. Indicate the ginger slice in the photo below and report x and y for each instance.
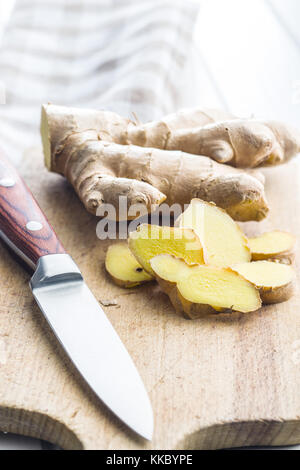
(275, 245)
(195, 288)
(167, 281)
(151, 240)
(123, 266)
(275, 281)
(222, 240)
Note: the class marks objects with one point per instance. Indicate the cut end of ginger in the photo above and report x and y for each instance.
(221, 288)
(149, 241)
(222, 240)
(45, 134)
(204, 263)
(170, 268)
(274, 280)
(123, 267)
(273, 245)
(266, 273)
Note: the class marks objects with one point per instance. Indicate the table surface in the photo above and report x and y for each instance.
(247, 61)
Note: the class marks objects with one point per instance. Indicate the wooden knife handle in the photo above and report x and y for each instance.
(23, 225)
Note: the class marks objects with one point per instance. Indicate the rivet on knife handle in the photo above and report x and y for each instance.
(22, 224)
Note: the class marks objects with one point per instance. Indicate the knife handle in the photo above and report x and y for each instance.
(23, 225)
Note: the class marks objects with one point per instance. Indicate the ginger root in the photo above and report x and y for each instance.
(275, 281)
(196, 288)
(244, 143)
(275, 245)
(89, 149)
(123, 266)
(222, 240)
(149, 241)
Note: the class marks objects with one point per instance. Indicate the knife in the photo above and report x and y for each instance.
(70, 308)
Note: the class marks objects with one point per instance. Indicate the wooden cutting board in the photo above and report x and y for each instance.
(220, 382)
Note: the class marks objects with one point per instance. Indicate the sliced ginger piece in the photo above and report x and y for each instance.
(123, 266)
(195, 288)
(275, 281)
(151, 240)
(275, 245)
(222, 240)
(171, 269)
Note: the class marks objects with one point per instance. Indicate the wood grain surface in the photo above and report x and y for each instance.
(214, 383)
(19, 212)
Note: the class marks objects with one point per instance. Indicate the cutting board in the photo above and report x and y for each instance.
(224, 381)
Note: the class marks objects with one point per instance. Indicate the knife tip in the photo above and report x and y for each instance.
(146, 431)
(143, 423)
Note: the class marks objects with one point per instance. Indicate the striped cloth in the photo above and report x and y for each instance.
(121, 55)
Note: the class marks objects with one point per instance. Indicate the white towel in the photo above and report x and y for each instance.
(126, 56)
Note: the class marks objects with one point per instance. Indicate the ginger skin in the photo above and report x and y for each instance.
(196, 268)
(123, 268)
(101, 171)
(189, 310)
(275, 281)
(198, 290)
(244, 143)
(275, 245)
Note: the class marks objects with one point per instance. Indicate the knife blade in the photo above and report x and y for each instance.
(70, 308)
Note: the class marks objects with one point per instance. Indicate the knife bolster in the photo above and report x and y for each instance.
(54, 269)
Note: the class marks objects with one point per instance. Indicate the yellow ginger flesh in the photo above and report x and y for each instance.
(208, 285)
(266, 274)
(123, 266)
(271, 244)
(222, 240)
(150, 240)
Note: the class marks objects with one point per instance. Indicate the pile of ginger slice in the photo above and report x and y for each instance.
(205, 263)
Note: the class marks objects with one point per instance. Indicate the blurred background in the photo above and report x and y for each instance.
(147, 57)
